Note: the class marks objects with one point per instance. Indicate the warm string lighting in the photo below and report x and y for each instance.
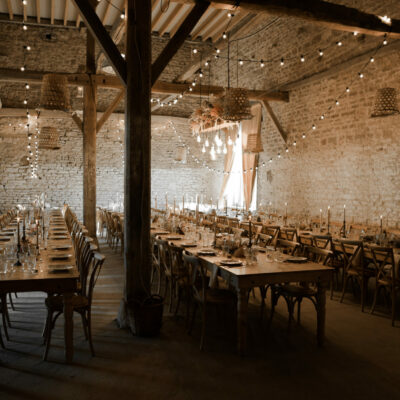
(337, 103)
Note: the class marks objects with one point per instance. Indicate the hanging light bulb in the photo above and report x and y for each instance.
(303, 135)
(224, 36)
(26, 85)
(262, 65)
(347, 90)
(240, 62)
(24, 27)
(122, 16)
(282, 62)
(302, 59)
(203, 150)
(207, 143)
(212, 153)
(321, 53)
(198, 139)
(339, 43)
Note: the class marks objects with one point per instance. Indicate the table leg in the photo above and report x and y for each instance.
(68, 327)
(321, 312)
(242, 321)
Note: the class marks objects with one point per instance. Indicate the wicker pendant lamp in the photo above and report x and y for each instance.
(49, 138)
(385, 103)
(235, 104)
(55, 93)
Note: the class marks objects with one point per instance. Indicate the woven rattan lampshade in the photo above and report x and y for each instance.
(236, 105)
(55, 93)
(49, 138)
(385, 103)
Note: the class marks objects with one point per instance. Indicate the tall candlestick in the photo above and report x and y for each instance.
(329, 217)
(37, 235)
(381, 224)
(166, 201)
(344, 221)
(19, 239)
(155, 203)
(183, 203)
(286, 211)
(24, 228)
(250, 232)
(320, 218)
(174, 205)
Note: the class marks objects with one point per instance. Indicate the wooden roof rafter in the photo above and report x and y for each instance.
(52, 10)
(38, 11)
(66, 7)
(10, 10)
(166, 24)
(204, 21)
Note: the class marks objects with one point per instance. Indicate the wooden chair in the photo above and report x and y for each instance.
(304, 242)
(354, 267)
(386, 274)
(295, 293)
(322, 241)
(272, 230)
(263, 240)
(82, 303)
(287, 246)
(203, 295)
(288, 234)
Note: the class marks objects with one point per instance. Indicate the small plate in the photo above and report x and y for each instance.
(206, 253)
(189, 245)
(60, 268)
(4, 239)
(60, 248)
(173, 238)
(58, 238)
(297, 259)
(231, 263)
(60, 257)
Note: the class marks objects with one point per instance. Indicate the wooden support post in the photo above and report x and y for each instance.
(274, 119)
(137, 253)
(89, 140)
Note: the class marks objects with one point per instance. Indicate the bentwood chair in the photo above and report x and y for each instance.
(354, 268)
(386, 271)
(295, 293)
(287, 246)
(82, 303)
(203, 295)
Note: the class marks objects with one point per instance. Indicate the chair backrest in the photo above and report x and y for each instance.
(272, 230)
(198, 276)
(97, 262)
(323, 241)
(263, 240)
(384, 262)
(163, 256)
(176, 260)
(318, 255)
(288, 234)
(352, 252)
(288, 246)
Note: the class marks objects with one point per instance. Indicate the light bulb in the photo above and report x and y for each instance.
(207, 143)
(372, 59)
(218, 51)
(218, 150)
(322, 116)
(347, 90)
(355, 33)
(224, 36)
(24, 2)
(337, 102)
(23, 68)
(28, 48)
(240, 62)
(314, 127)
(200, 74)
(193, 83)
(24, 27)
(203, 150)
(198, 139)
(25, 101)
(282, 62)
(339, 43)
(122, 16)
(206, 63)
(194, 51)
(303, 135)
(26, 85)
(321, 53)
(361, 75)
(262, 65)
(181, 95)
(302, 59)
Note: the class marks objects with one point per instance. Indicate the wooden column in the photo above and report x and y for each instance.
(137, 256)
(89, 141)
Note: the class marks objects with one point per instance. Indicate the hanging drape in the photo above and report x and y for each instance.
(251, 143)
(228, 160)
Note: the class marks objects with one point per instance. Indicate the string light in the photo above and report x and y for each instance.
(282, 62)
(321, 53)
(24, 27)
(302, 59)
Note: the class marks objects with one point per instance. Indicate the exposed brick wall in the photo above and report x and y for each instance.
(61, 170)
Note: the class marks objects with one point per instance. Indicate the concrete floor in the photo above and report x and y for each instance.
(361, 358)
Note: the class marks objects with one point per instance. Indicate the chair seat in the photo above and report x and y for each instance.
(56, 303)
(297, 290)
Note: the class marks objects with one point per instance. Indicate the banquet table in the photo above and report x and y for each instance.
(261, 273)
(45, 279)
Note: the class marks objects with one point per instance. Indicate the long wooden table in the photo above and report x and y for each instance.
(46, 281)
(262, 273)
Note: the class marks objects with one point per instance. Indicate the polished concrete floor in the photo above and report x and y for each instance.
(361, 358)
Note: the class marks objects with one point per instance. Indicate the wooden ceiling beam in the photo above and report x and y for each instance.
(10, 9)
(38, 11)
(113, 82)
(106, 11)
(156, 19)
(221, 44)
(171, 17)
(52, 12)
(110, 109)
(322, 13)
(204, 21)
(220, 23)
(24, 12)
(102, 37)
(176, 42)
(179, 22)
(66, 12)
